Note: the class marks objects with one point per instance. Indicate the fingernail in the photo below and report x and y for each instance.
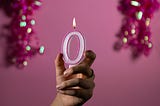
(59, 87)
(66, 73)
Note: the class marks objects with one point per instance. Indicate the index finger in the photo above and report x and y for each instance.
(59, 65)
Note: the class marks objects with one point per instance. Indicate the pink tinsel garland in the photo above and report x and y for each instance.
(22, 42)
(135, 31)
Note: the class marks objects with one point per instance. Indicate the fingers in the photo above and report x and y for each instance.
(59, 64)
(76, 87)
(84, 66)
(89, 57)
(85, 70)
(82, 93)
(83, 83)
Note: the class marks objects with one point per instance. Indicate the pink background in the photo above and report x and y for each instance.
(120, 81)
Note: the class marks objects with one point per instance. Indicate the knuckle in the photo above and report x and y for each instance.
(90, 72)
(87, 67)
(64, 84)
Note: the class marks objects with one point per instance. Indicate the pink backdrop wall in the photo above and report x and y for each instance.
(120, 81)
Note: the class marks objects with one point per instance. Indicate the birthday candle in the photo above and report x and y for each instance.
(66, 44)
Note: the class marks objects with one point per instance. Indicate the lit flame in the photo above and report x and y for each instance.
(74, 22)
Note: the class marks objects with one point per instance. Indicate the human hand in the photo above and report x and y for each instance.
(71, 89)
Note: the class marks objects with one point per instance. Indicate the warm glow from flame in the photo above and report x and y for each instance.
(74, 22)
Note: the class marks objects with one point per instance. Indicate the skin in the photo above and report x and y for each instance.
(75, 85)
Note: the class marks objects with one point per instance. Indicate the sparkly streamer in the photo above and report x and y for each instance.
(135, 31)
(22, 42)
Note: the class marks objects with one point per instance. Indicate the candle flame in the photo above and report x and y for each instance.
(74, 23)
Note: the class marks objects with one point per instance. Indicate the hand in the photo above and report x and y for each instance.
(71, 89)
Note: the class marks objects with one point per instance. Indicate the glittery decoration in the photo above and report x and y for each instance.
(23, 24)
(135, 3)
(135, 31)
(33, 22)
(22, 42)
(41, 50)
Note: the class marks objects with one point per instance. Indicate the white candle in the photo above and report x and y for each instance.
(66, 44)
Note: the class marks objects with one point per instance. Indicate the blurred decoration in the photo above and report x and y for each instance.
(135, 31)
(22, 44)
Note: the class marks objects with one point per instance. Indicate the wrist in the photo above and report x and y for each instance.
(57, 101)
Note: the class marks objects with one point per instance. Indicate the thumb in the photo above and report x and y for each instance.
(59, 64)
